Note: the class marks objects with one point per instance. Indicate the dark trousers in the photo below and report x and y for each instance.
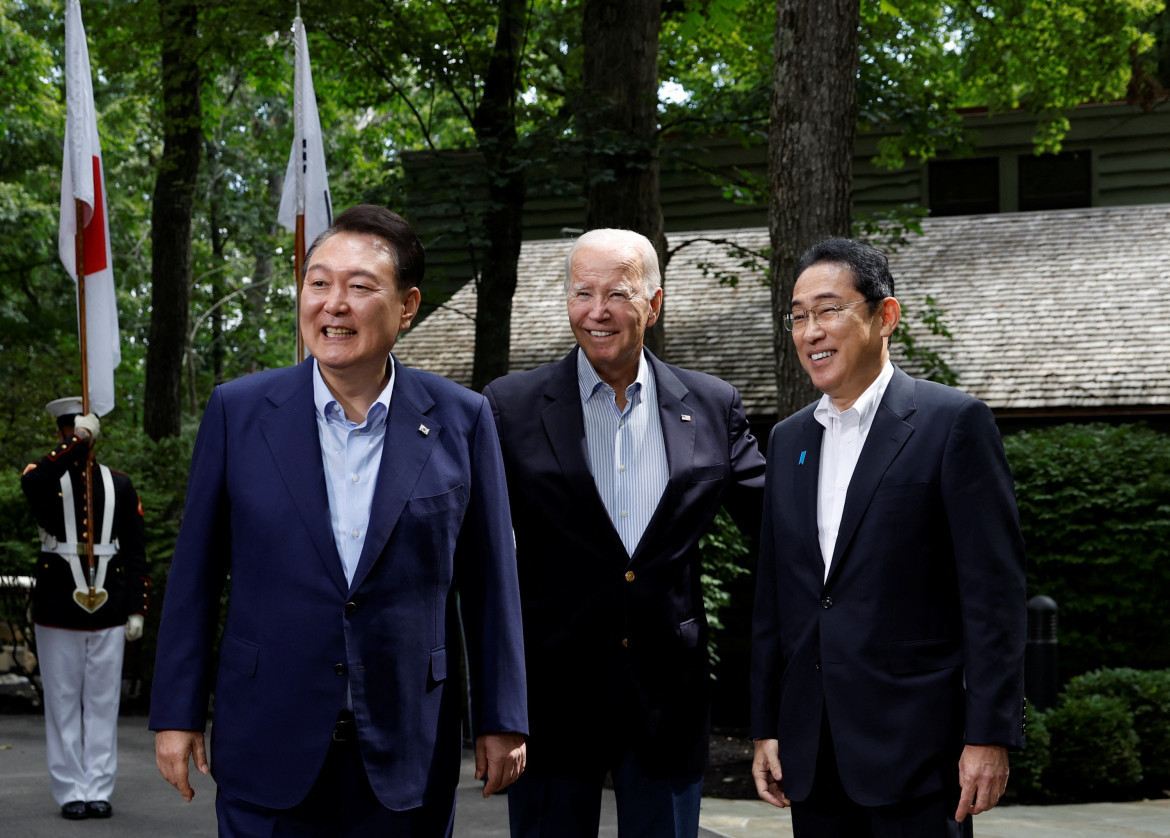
(341, 804)
(570, 807)
(829, 813)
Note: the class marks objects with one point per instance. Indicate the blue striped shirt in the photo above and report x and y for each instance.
(627, 454)
(351, 454)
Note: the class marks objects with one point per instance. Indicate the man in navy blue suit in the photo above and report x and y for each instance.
(350, 499)
(617, 463)
(888, 633)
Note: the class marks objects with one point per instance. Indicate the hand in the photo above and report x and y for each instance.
(983, 776)
(134, 627)
(499, 757)
(87, 427)
(172, 748)
(767, 774)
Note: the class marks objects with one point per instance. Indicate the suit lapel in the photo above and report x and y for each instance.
(405, 450)
(678, 436)
(291, 433)
(887, 435)
(806, 472)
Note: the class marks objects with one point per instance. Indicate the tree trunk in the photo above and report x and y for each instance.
(495, 131)
(174, 193)
(810, 156)
(619, 122)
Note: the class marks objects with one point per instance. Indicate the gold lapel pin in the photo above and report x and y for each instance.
(424, 430)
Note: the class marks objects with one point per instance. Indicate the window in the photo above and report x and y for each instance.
(964, 187)
(1055, 181)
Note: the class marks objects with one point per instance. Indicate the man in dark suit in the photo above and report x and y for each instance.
(888, 633)
(349, 498)
(617, 463)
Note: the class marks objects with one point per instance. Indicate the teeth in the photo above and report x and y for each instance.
(338, 332)
(601, 334)
(816, 356)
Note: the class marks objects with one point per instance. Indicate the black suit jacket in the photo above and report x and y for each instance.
(616, 645)
(914, 644)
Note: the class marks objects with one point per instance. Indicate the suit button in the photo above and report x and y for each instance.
(340, 669)
(350, 609)
(826, 602)
(629, 576)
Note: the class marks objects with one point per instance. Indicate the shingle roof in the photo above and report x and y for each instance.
(1049, 311)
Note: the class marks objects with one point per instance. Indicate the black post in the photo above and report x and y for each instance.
(1040, 653)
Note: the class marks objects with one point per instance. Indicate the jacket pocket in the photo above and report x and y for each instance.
(439, 664)
(911, 656)
(240, 656)
(688, 632)
(699, 474)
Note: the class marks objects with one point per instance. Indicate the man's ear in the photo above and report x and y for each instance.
(655, 307)
(410, 303)
(891, 314)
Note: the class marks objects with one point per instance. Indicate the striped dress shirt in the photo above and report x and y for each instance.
(627, 454)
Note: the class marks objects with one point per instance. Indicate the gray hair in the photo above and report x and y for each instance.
(645, 263)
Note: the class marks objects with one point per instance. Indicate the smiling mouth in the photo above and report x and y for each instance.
(338, 332)
(597, 334)
(817, 356)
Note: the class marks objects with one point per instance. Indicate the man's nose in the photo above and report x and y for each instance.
(337, 299)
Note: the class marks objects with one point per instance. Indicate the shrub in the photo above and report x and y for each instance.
(1095, 508)
(1094, 749)
(1147, 696)
(1029, 766)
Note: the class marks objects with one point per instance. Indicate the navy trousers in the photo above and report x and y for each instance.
(570, 807)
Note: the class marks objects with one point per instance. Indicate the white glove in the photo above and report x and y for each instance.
(134, 627)
(87, 426)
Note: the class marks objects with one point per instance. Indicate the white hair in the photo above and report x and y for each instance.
(644, 263)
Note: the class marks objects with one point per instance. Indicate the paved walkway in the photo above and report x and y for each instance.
(146, 807)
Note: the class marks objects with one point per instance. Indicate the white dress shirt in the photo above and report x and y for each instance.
(845, 434)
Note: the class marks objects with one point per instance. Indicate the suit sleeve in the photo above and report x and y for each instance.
(745, 493)
(979, 498)
(183, 666)
(485, 564)
(767, 665)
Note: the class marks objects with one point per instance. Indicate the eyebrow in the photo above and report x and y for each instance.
(823, 296)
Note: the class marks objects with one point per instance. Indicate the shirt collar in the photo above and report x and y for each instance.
(588, 381)
(866, 404)
(324, 403)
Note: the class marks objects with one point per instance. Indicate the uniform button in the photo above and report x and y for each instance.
(826, 602)
(350, 609)
(340, 669)
(629, 576)
(625, 641)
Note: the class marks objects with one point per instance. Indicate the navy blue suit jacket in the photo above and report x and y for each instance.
(617, 644)
(295, 633)
(914, 645)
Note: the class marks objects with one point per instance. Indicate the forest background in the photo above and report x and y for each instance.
(194, 104)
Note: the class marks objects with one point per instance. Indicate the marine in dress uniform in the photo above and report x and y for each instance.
(84, 611)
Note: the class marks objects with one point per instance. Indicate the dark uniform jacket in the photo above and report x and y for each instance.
(125, 581)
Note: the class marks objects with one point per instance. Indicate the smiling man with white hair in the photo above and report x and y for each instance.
(616, 465)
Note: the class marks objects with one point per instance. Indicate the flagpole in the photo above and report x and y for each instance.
(298, 266)
(79, 251)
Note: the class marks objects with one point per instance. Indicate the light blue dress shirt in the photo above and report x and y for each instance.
(627, 454)
(351, 454)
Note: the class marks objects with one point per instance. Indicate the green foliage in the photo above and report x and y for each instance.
(1108, 738)
(723, 549)
(1094, 749)
(1146, 695)
(1094, 504)
(1029, 765)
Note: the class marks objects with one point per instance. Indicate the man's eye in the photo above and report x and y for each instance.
(799, 316)
(617, 295)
